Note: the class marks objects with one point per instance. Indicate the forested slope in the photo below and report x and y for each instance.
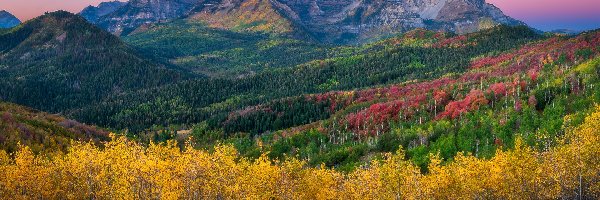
(380, 63)
(124, 169)
(42, 132)
(59, 61)
(527, 92)
(197, 47)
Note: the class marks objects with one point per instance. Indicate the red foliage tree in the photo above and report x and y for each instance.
(499, 89)
(472, 101)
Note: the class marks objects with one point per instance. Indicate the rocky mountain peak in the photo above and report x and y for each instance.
(139, 12)
(93, 13)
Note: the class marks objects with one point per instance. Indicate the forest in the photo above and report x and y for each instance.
(523, 93)
(380, 62)
(181, 110)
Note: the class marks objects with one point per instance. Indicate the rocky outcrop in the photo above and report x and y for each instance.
(8, 20)
(139, 12)
(92, 13)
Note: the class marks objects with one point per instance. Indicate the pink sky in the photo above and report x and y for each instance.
(27, 9)
(553, 14)
(541, 14)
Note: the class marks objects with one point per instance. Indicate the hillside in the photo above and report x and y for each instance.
(42, 132)
(243, 15)
(125, 169)
(497, 90)
(214, 52)
(59, 61)
(375, 64)
(534, 93)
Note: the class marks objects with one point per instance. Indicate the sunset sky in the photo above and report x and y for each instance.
(541, 14)
(553, 14)
(27, 9)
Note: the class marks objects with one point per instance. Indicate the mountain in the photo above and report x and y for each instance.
(59, 61)
(243, 15)
(139, 12)
(8, 20)
(352, 21)
(92, 13)
(42, 132)
(349, 21)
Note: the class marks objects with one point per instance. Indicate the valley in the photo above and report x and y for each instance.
(286, 99)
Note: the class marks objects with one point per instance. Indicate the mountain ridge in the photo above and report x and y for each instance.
(8, 20)
(59, 61)
(139, 12)
(328, 21)
(93, 13)
(353, 20)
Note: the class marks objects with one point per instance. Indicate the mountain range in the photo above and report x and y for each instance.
(347, 21)
(364, 99)
(7, 20)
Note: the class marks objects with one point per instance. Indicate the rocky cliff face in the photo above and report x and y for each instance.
(140, 12)
(92, 14)
(329, 21)
(348, 21)
(8, 20)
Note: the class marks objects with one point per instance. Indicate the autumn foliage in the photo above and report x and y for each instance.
(127, 170)
(472, 101)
